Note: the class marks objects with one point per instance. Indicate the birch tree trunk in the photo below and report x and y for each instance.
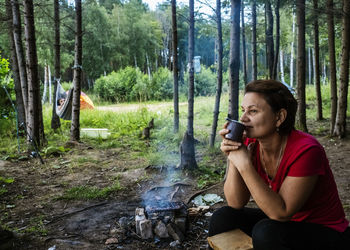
(282, 66)
(234, 59)
(254, 59)
(187, 150)
(55, 120)
(309, 64)
(43, 98)
(340, 124)
(50, 89)
(175, 67)
(75, 126)
(301, 117)
(14, 67)
(332, 64)
(319, 115)
(291, 73)
(34, 106)
(219, 75)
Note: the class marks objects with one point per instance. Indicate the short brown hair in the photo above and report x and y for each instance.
(278, 96)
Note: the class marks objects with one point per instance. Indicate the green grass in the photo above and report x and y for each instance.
(88, 193)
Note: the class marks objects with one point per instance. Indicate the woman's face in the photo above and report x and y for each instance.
(258, 116)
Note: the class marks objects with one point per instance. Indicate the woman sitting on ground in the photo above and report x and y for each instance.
(287, 174)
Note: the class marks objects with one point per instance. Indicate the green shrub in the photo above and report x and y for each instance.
(130, 84)
(122, 86)
(161, 85)
(205, 82)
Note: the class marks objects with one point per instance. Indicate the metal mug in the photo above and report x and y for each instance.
(236, 130)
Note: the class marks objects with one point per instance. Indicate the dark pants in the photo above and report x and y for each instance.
(270, 234)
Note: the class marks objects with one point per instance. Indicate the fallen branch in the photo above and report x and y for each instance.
(77, 211)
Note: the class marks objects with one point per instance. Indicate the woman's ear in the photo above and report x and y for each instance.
(281, 116)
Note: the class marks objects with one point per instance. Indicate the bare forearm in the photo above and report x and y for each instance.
(270, 202)
(236, 192)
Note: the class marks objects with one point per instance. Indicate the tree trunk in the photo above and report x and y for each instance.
(234, 59)
(332, 63)
(319, 115)
(46, 81)
(340, 124)
(14, 66)
(17, 36)
(301, 117)
(291, 72)
(55, 120)
(275, 63)
(269, 38)
(34, 108)
(175, 67)
(282, 66)
(74, 131)
(309, 61)
(254, 56)
(219, 75)
(148, 68)
(187, 150)
(244, 54)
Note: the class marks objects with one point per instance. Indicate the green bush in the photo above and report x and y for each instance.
(205, 82)
(161, 85)
(130, 84)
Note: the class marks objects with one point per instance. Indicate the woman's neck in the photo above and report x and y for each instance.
(272, 144)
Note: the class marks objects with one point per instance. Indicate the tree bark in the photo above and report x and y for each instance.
(254, 55)
(291, 72)
(269, 38)
(46, 81)
(34, 106)
(219, 75)
(175, 67)
(55, 120)
(187, 150)
(301, 117)
(332, 63)
(340, 123)
(275, 63)
(319, 115)
(244, 51)
(234, 59)
(309, 62)
(282, 66)
(14, 66)
(74, 131)
(17, 36)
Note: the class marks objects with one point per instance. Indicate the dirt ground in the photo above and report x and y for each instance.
(42, 221)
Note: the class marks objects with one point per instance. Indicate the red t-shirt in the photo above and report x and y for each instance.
(305, 156)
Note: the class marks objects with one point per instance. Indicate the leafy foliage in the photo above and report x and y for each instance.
(130, 84)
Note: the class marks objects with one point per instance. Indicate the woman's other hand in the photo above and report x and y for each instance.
(240, 158)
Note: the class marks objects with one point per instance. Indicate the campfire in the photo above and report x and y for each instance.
(162, 216)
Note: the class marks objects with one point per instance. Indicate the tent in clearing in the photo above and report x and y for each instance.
(85, 102)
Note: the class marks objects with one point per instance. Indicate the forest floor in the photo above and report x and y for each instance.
(41, 220)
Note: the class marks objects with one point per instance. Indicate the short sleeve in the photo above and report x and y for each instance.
(310, 162)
